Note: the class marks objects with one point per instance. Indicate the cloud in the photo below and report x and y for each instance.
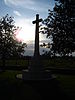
(27, 33)
(16, 13)
(19, 2)
(34, 5)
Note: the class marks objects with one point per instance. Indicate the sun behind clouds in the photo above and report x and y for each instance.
(26, 32)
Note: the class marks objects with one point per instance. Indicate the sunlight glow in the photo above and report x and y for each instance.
(26, 31)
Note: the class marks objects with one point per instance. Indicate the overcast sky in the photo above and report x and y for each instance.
(24, 12)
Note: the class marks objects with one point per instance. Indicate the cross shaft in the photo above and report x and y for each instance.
(36, 49)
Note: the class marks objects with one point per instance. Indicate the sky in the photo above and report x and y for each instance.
(24, 12)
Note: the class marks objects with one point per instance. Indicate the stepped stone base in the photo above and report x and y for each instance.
(36, 75)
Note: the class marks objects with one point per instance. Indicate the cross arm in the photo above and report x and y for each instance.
(36, 21)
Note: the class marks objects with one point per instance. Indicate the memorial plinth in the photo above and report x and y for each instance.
(39, 75)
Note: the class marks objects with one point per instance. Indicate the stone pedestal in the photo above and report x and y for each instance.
(37, 75)
(43, 84)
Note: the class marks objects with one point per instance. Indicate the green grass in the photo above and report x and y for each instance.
(8, 80)
(9, 75)
(67, 82)
(15, 89)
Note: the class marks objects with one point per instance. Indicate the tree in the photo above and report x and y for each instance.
(60, 27)
(9, 46)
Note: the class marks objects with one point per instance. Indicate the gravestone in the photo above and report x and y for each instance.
(35, 70)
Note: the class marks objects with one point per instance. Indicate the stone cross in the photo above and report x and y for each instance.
(36, 69)
(36, 49)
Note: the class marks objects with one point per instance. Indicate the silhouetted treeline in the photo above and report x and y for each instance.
(60, 27)
(9, 46)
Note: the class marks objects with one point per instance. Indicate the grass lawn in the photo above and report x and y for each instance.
(14, 89)
(67, 82)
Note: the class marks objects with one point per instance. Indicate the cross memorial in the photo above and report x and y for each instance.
(35, 70)
(36, 61)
